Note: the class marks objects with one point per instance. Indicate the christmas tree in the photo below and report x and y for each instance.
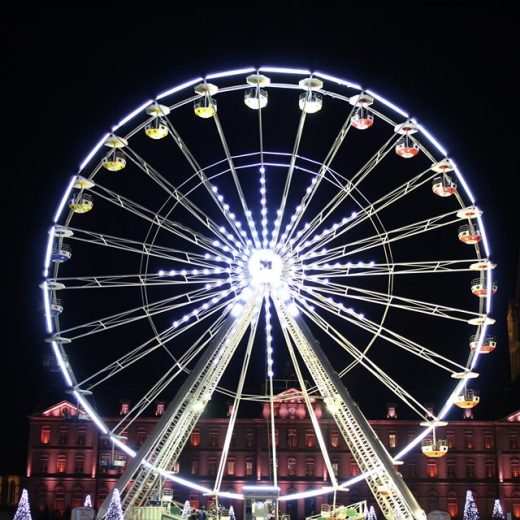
(88, 501)
(371, 514)
(470, 508)
(24, 511)
(115, 511)
(498, 513)
(232, 513)
(186, 510)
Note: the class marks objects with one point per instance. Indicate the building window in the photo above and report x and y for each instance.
(212, 466)
(59, 499)
(309, 466)
(43, 464)
(79, 464)
(63, 435)
(230, 467)
(45, 435)
(102, 494)
(411, 435)
(354, 468)
(515, 468)
(490, 468)
(450, 467)
(470, 468)
(250, 439)
(335, 467)
(81, 434)
(41, 497)
(310, 439)
(334, 439)
(431, 469)
(195, 467)
(61, 462)
(515, 503)
(77, 497)
(488, 441)
(468, 440)
(292, 438)
(291, 466)
(125, 406)
(141, 436)
(195, 438)
(412, 468)
(249, 467)
(450, 438)
(213, 438)
(176, 468)
(392, 439)
(452, 504)
(432, 500)
(159, 409)
(513, 440)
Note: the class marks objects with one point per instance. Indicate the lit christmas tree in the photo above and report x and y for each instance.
(470, 508)
(232, 513)
(88, 501)
(24, 511)
(372, 514)
(186, 510)
(115, 511)
(498, 513)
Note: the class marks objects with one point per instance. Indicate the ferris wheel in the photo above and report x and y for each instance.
(257, 218)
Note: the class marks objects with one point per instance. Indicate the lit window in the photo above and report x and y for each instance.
(61, 463)
(490, 468)
(516, 506)
(212, 466)
(63, 435)
(470, 468)
(292, 438)
(335, 467)
(354, 468)
(213, 438)
(431, 469)
(250, 439)
(141, 436)
(309, 466)
(450, 468)
(195, 438)
(392, 440)
(468, 440)
(291, 466)
(43, 464)
(195, 467)
(452, 504)
(45, 435)
(450, 438)
(391, 412)
(81, 434)
(513, 440)
(334, 439)
(515, 468)
(230, 467)
(79, 464)
(249, 468)
(310, 439)
(124, 408)
(176, 468)
(159, 409)
(488, 440)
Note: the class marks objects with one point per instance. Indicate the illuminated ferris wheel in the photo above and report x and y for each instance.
(257, 218)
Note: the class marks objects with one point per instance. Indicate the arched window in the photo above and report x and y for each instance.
(432, 500)
(59, 499)
(452, 504)
(77, 497)
(41, 497)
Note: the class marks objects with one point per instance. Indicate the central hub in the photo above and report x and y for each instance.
(265, 266)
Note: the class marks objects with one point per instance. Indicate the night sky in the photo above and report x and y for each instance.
(69, 75)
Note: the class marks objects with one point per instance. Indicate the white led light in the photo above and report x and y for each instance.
(285, 70)
(234, 72)
(64, 199)
(93, 415)
(387, 103)
(61, 363)
(131, 115)
(182, 86)
(93, 152)
(123, 446)
(47, 306)
(48, 251)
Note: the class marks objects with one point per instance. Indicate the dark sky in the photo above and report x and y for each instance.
(68, 75)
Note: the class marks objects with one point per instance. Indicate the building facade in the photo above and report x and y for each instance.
(68, 458)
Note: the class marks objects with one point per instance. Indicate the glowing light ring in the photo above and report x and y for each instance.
(128, 118)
